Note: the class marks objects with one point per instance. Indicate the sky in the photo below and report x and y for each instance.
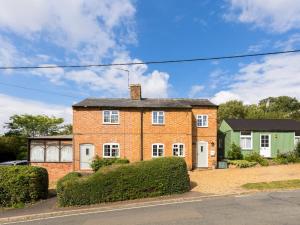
(73, 32)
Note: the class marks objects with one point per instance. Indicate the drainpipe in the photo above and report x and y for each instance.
(142, 135)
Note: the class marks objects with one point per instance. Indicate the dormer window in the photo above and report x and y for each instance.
(158, 117)
(111, 117)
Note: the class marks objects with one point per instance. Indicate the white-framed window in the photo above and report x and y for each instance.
(202, 120)
(158, 117)
(37, 154)
(297, 138)
(110, 117)
(158, 150)
(246, 140)
(178, 149)
(52, 154)
(111, 150)
(66, 154)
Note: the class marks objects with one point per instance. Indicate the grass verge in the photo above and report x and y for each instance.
(284, 184)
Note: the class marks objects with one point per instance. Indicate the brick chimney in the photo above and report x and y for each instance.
(135, 91)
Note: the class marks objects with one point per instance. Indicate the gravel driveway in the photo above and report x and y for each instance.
(227, 181)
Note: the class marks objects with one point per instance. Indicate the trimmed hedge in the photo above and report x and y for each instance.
(22, 184)
(163, 176)
(98, 162)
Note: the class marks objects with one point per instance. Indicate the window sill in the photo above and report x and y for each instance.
(202, 127)
(158, 124)
(111, 123)
(111, 157)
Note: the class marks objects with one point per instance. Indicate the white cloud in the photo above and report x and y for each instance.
(273, 76)
(114, 82)
(195, 90)
(8, 53)
(10, 105)
(275, 15)
(290, 43)
(89, 32)
(87, 28)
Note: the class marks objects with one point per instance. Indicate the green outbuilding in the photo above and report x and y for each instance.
(268, 137)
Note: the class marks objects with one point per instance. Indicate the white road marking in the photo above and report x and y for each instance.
(108, 210)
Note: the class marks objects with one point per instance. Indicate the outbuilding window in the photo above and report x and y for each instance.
(178, 149)
(157, 150)
(246, 140)
(111, 150)
(297, 138)
(110, 116)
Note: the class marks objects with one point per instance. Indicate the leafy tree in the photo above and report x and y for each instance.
(30, 125)
(231, 110)
(66, 129)
(13, 147)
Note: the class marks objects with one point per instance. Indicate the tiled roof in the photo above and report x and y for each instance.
(144, 103)
(263, 124)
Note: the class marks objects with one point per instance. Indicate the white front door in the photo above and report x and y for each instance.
(86, 156)
(265, 145)
(202, 154)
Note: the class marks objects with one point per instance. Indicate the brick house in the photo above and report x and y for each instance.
(141, 129)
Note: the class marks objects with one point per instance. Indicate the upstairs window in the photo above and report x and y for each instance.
(111, 150)
(157, 150)
(202, 120)
(158, 117)
(110, 117)
(178, 149)
(246, 140)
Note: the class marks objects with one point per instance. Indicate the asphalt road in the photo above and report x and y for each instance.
(274, 208)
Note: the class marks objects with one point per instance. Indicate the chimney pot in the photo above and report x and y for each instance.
(135, 91)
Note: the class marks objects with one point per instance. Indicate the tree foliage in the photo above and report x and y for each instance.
(282, 107)
(31, 125)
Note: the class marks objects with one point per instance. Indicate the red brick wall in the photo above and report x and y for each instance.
(179, 127)
(89, 129)
(176, 129)
(55, 170)
(208, 134)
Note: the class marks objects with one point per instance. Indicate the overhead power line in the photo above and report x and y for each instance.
(38, 90)
(149, 62)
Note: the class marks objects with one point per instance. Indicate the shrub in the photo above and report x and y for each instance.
(288, 157)
(297, 149)
(256, 157)
(22, 184)
(235, 153)
(98, 162)
(156, 177)
(242, 163)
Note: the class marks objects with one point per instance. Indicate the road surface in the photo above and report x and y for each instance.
(282, 208)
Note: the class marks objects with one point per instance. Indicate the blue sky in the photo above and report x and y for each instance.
(110, 31)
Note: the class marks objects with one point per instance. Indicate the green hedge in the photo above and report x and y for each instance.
(98, 162)
(22, 184)
(156, 177)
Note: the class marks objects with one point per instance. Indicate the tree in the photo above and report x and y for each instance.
(66, 129)
(30, 125)
(231, 110)
(13, 147)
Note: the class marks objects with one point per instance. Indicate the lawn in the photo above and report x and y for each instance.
(285, 184)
